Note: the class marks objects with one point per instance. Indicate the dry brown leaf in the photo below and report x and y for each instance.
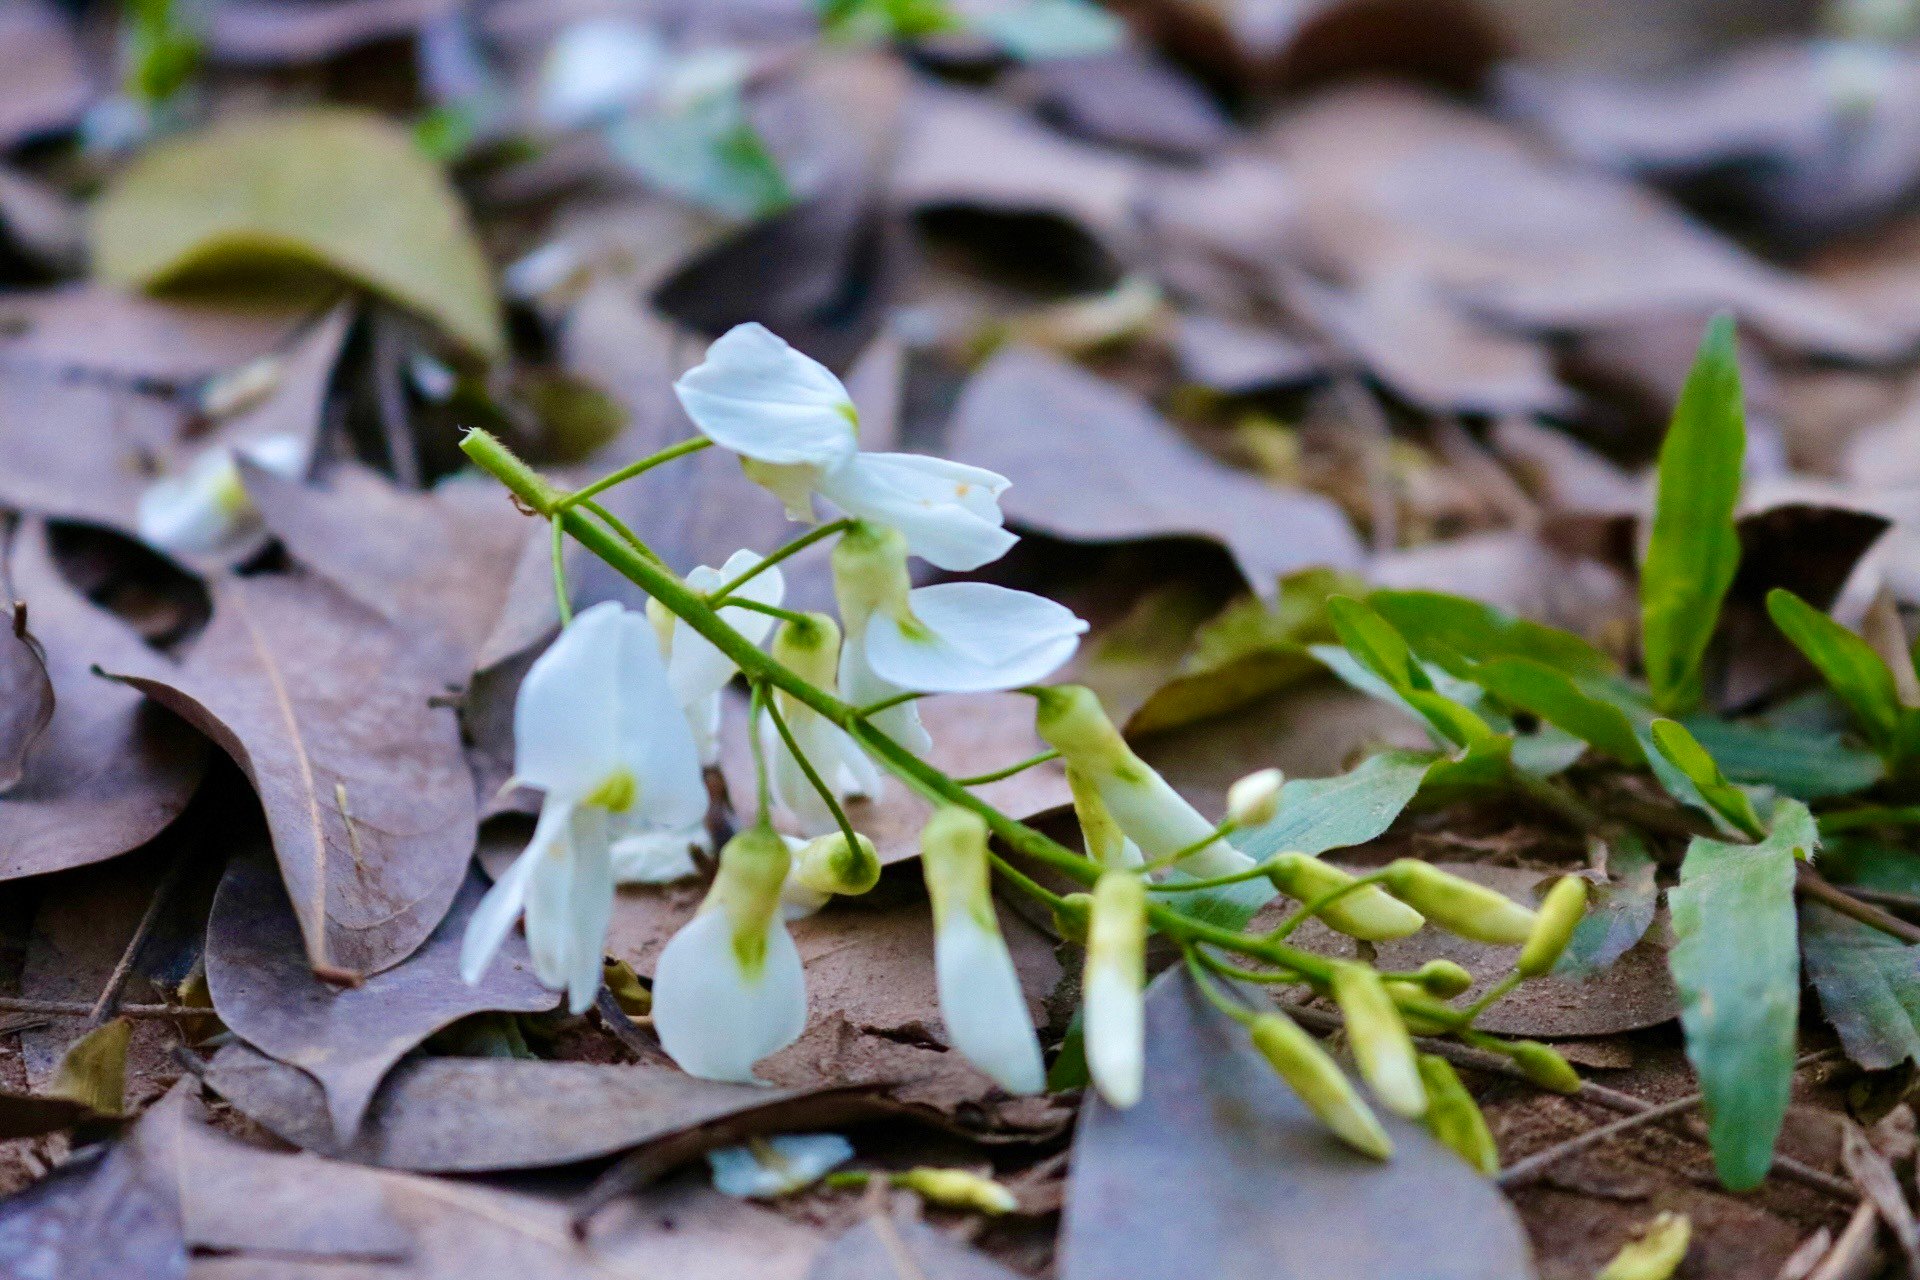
(46, 83)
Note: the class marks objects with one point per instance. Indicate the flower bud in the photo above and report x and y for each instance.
(1543, 1066)
(1657, 1254)
(753, 867)
(1559, 915)
(827, 865)
(1306, 1067)
(810, 647)
(957, 1189)
(1255, 799)
(1454, 1117)
(1115, 974)
(1458, 905)
(1370, 913)
(1105, 842)
(870, 573)
(1443, 979)
(1381, 1046)
(1073, 917)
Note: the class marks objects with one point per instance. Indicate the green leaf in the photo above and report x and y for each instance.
(1619, 912)
(93, 1071)
(1851, 668)
(1447, 629)
(1044, 30)
(1805, 764)
(1736, 962)
(326, 188)
(1375, 645)
(1694, 549)
(1069, 1069)
(1869, 987)
(1684, 753)
(1318, 814)
(1534, 687)
(707, 152)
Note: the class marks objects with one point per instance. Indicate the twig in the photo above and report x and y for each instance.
(104, 1007)
(1522, 1171)
(1856, 1254)
(1811, 884)
(619, 1025)
(84, 1009)
(1461, 1055)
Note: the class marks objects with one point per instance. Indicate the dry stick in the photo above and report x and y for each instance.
(619, 1025)
(1473, 1059)
(1522, 1171)
(84, 1009)
(1856, 1254)
(1811, 884)
(109, 1000)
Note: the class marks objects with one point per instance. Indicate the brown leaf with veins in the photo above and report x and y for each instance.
(109, 771)
(26, 694)
(327, 708)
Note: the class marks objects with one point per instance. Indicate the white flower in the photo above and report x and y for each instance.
(1152, 814)
(204, 508)
(597, 69)
(956, 637)
(1254, 800)
(981, 1003)
(826, 867)
(698, 671)
(811, 649)
(795, 425)
(597, 727)
(777, 1166)
(659, 857)
(728, 989)
(1115, 1025)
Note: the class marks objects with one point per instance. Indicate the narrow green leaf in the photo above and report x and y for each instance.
(1619, 912)
(1446, 629)
(1684, 753)
(1736, 962)
(1539, 689)
(1694, 549)
(1802, 763)
(1852, 669)
(1318, 814)
(1376, 646)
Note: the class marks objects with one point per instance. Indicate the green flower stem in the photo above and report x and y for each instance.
(1309, 910)
(629, 471)
(627, 535)
(718, 596)
(1255, 872)
(758, 666)
(982, 779)
(814, 779)
(1279, 977)
(562, 598)
(1197, 966)
(875, 708)
(757, 702)
(1497, 992)
(754, 606)
(1219, 833)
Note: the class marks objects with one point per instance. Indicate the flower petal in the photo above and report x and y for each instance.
(841, 763)
(949, 512)
(759, 397)
(697, 669)
(596, 68)
(973, 637)
(799, 1160)
(860, 686)
(658, 856)
(494, 918)
(982, 1006)
(1115, 1036)
(589, 907)
(655, 741)
(549, 913)
(198, 511)
(716, 1021)
(565, 722)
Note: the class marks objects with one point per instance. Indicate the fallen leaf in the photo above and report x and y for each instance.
(1869, 987)
(346, 1038)
(326, 187)
(110, 334)
(103, 1215)
(1091, 462)
(1220, 1170)
(110, 771)
(47, 84)
(272, 34)
(326, 708)
(1130, 98)
(26, 693)
(477, 1115)
(899, 1247)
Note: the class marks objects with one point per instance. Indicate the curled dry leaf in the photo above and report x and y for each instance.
(110, 771)
(1091, 462)
(1186, 1182)
(346, 1039)
(326, 707)
(328, 187)
(478, 1115)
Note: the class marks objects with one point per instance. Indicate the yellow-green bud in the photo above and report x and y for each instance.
(1458, 905)
(1454, 1117)
(633, 998)
(870, 573)
(1106, 842)
(1656, 1255)
(1381, 1046)
(957, 1189)
(827, 865)
(953, 857)
(1115, 973)
(1255, 799)
(1070, 719)
(1544, 1066)
(1073, 917)
(1443, 979)
(753, 867)
(1559, 915)
(1367, 913)
(810, 647)
(1306, 1067)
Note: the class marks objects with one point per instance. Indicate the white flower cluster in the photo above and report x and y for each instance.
(616, 719)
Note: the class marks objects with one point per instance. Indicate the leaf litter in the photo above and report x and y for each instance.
(1251, 316)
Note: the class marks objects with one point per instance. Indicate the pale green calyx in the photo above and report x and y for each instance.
(870, 573)
(1070, 719)
(1106, 844)
(1367, 912)
(1553, 929)
(1381, 1045)
(809, 646)
(1299, 1060)
(829, 865)
(953, 855)
(956, 1189)
(1255, 799)
(753, 867)
(1458, 905)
